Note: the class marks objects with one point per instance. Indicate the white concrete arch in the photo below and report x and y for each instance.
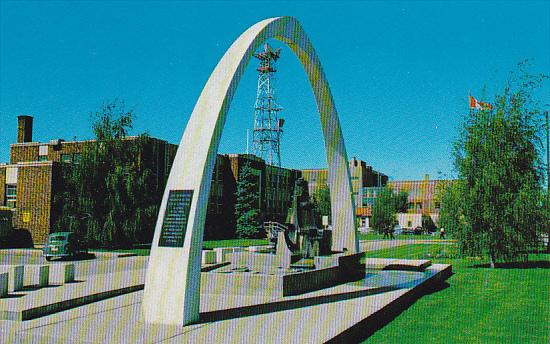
(172, 285)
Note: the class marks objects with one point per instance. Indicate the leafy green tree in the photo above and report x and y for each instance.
(428, 223)
(246, 207)
(451, 213)
(112, 195)
(401, 200)
(385, 207)
(496, 209)
(321, 204)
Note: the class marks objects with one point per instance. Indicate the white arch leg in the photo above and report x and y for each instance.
(172, 284)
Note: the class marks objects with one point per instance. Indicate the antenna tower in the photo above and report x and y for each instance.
(268, 127)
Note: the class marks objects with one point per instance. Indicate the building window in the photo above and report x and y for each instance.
(11, 195)
(66, 158)
(77, 157)
(42, 158)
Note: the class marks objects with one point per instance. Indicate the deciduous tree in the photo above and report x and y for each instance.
(112, 195)
(385, 207)
(496, 208)
(321, 204)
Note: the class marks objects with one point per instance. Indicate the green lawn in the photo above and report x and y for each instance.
(477, 304)
(234, 242)
(376, 236)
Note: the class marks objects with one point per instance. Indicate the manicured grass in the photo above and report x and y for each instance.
(233, 242)
(419, 251)
(477, 304)
(376, 236)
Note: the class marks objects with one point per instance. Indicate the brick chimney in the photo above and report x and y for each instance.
(24, 129)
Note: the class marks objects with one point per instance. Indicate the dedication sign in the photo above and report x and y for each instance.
(175, 218)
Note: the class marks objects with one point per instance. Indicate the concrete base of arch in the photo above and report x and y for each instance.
(172, 294)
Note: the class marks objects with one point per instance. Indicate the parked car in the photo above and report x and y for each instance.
(418, 230)
(365, 230)
(397, 229)
(63, 245)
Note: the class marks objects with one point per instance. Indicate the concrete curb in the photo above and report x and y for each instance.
(40, 311)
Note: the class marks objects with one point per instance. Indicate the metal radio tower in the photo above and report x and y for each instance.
(268, 127)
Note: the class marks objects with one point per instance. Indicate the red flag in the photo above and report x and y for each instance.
(476, 104)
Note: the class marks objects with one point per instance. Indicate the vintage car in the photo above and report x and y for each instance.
(63, 245)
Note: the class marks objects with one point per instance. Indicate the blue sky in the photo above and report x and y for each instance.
(400, 72)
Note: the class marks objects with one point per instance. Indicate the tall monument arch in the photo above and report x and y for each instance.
(172, 286)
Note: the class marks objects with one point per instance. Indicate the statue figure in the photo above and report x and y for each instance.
(303, 234)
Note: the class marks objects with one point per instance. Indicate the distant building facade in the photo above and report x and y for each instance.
(30, 181)
(34, 175)
(362, 176)
(275, 187)
(423, 199)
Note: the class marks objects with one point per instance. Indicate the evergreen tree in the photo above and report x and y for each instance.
(246, 206)
(496, 209)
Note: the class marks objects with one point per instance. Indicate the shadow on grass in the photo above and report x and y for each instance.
(436, 288)
(535, 264)
(367, 327)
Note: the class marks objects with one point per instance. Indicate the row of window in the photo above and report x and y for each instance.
(70, 158)
(11, 195)
(369, 201)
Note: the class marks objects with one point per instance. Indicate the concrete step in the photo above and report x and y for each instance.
(397, 264)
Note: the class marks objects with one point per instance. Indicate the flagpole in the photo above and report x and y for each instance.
(547, 179)
(547, 156)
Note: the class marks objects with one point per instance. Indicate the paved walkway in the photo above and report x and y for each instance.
(374, 245)
(96, 285)
(33, 302)
(309, 318)
(103, 263)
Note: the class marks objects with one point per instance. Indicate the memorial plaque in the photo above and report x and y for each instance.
(176, 215)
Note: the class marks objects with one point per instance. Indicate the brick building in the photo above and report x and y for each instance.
(33, 176)
(423, 199)
(362, 176)
(424, 196)
(275, 186)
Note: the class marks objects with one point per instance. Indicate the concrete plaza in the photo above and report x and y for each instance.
(107, 308)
